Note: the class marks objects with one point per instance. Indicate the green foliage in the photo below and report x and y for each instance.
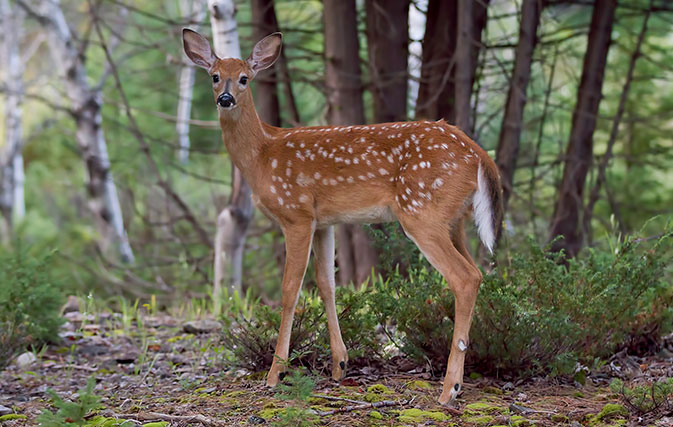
(656, 396)
(534, 315)
(297, 389)
(30, 302)
(70, 413)
(251, 329)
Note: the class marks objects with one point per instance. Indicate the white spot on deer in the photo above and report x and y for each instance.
(404, 197)
(325, 181)
(304, 180)
(437, 183)
(303, 198)
(288, 172)
(362, 177)
(350, 180)
(302, 145)
(274, 178)
(340, 178)
(287, 193)
(350, 150)
(408, 190)
(414, 167)
(422, 165)
(355, 161)
(421, 185)
(453, 135)
(383, 171)
(273, 189)
(333, 181)
(445, 146)
(316, 175)
(280, 201)
(390, 158)
(370, 175)
(274, 163)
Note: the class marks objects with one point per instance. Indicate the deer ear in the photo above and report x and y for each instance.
(265, 52)
(198, 49)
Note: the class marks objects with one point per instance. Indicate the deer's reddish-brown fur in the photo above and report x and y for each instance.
(426, 175)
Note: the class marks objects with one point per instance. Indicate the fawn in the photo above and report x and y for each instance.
(426, 175)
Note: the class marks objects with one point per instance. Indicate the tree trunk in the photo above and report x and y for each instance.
(472, 17)
(355, 254)
(436, 87)
(87, 103)
(266, 93)
(12, 205)
(510, 131)
(388, 48)
(566, 221)
(233, 221)
(195, 11)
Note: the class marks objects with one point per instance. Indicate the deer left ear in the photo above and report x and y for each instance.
(265, 53)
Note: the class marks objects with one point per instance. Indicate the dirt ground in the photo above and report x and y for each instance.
(166, 370)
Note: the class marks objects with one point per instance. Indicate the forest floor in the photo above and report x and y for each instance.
(170, 370)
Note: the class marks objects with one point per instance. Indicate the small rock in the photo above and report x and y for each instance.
(254, 419)
(5, 410)
(522, 397)
(201, 326)
(509, 386)
(25, 360)
(71, 305)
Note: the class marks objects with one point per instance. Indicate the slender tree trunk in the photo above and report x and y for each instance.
(87, 103)
(233, 221)
(12, 205)
(195, 11)
(472, 16)
(602, 167)
(266, 93)
(510, 131)
(566, 220)
(355, 255)
(388, 48)
(436, 87)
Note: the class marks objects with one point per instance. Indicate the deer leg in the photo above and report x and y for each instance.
(323, 248)
(297, 249)
(464, 279)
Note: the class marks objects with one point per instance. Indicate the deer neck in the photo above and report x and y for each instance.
(243, 135)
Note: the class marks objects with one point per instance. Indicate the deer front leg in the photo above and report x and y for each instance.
(323, 248)
(297, 248)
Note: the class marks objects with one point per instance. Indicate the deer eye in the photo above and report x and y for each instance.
(216, 78)
(243, 80)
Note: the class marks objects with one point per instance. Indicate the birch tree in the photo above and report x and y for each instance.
(86, 108)
(233, 221)
(12, 205)
(195, 11)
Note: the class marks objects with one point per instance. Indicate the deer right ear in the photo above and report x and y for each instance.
(198, 49)
(265, 52)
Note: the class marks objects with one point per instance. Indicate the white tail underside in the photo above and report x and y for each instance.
(483, 211)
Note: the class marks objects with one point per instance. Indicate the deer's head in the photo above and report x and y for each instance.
(231, 76)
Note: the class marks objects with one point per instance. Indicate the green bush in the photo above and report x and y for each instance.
(251, 330)
(30, 302)
(534, 315)
(71, 412)
(646, 398)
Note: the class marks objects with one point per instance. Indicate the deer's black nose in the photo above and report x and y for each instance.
(226, 100)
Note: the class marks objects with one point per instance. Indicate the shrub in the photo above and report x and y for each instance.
(646, 398)
(251, 330)
(71, 412)
(30, 302)
(534, 315)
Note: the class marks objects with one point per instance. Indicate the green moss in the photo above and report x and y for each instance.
(519, 421)
(578, 394)
(317, 401)
(481, 420)
(484, 407)
(376, 415)
(157, 424)
(418, 385)
(493, 390)
(475, 375)
(610, 410)
(415, 415)
(267, 414)
(9, 417)
(377, 393)
(559, 418)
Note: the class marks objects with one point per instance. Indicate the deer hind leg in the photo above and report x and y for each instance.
(445, 250)
(323, 248)
(297, 248)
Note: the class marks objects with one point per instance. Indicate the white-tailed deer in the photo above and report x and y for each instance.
(426, 175)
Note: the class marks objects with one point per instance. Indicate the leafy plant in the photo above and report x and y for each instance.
(30, 302)
(71, 412)
(653, 397)
(297, 388)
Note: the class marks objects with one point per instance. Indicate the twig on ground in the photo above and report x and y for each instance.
(365, 406)
(322, 396)
(156, 416)
(78, 367)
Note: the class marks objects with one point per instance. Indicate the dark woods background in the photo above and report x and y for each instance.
(112, 155)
